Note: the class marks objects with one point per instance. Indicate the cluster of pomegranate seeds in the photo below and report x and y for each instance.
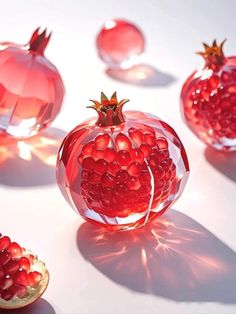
(15, 270)
(212, 105)
(127, 174)
(209, 99)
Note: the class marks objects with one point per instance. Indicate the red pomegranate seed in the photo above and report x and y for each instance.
(20, 277)
(4, 242)
(123, 142)
(113, 167)
(134, 169)
(162, 143)
(106, 202)
(110, 154)
(120, 189)
(94, 177)
(34, 278)
(143, 190)
(136, 136)
(6, 295)
(5, 257)
(153, 161)
(6, 282)
(122, 176)
(149, 139)
(102, 141)
(88, 163)
(160, 183)
(1, 272)
(137, 155)
(132, 196)
(106, 193)
(24, 263)
(158, 172)
(12, 266)
(124, 158)
(85, 174)
(146, 149)
(108, 180)
(19, 290)
(101, 166)
(98, 154)
(144, 177)
(15, 249)
(88, 149)
(133, 183)
(214, 81)
(31, 258)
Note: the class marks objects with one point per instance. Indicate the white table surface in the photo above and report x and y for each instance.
(195, 270)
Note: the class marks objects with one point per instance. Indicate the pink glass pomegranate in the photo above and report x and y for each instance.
(121, 170)
(119, 43)
(208, 99)
(31, 88)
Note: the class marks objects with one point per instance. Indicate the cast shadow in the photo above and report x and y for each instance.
(30, 162)
(41, 306)
(174, 257)
(141, 75)
(223, 162)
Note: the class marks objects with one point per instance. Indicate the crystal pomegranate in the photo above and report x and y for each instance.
(31, 88)
(119, 43)
(122, 169)
(208, 99)
(23, 278)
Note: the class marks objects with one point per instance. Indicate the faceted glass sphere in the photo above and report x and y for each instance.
(122, 176)
(31, 88)
(119, 43)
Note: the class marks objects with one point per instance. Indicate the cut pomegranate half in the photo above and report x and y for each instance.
(23, 278)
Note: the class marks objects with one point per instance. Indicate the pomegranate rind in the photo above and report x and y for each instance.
(33, 293)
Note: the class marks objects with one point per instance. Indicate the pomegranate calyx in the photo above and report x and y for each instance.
(213, 54)
(109, 111)
(39, 41)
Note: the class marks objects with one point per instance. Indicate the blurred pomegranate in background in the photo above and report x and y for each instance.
(208, 99)
(31, 88)
(120, 43)
(121, 170)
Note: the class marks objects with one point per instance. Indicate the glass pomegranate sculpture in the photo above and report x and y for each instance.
(119, 43)
(31, 88)
(208, 99)
(122, 169)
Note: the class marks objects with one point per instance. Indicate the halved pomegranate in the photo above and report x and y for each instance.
(23, 278)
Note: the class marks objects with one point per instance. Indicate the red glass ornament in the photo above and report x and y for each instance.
(208, 99)
(121, 170)
(31, 88)
(119, 43)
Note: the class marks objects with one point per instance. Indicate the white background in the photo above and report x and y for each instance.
(196, 271)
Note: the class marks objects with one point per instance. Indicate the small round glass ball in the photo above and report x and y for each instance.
(120, 43)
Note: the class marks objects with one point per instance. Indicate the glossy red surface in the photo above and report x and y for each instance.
(119, 42)
(122, 175)
(208, 101)
(15, 274)
(31, 88)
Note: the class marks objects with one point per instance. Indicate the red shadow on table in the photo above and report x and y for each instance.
(223, 162)
(175, 258)
(39, 307)
(141, 75)
(30, 162)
